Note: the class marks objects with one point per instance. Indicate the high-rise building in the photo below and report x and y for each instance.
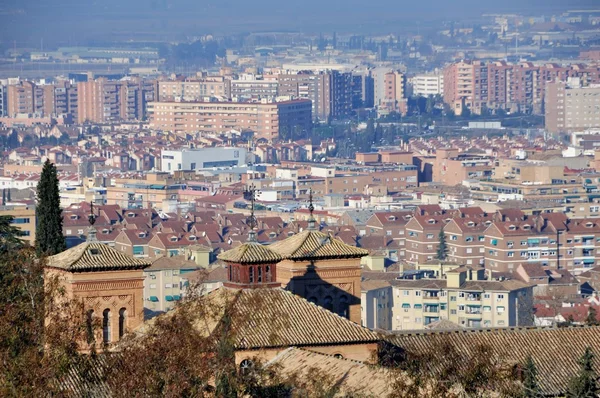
(334, 98)
(300, 85)
(21, 98)
(394, 95)
(249, 86)
(362, 89)
(571, 107)
(103, 100)
(3, 104)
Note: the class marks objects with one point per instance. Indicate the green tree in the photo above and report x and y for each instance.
(442, 250)
(9, 235)
(591, 318)
(49, 238)
(530, 381)
(8, 198)
(3, 196)
(584, 384)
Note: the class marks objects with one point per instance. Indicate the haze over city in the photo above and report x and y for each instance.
(299, 199)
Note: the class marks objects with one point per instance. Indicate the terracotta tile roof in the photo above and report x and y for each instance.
(555, 351)
(315, 245)
(250, 253)
(175, 262)
(278, 318)
(349, 376)
(94, 256)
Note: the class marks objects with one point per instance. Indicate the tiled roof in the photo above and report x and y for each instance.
(311, 244)
(278, 318)
(250, 253)
(555, 351)
(94, 256)
(349, 376)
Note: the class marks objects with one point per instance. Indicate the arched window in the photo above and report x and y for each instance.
(122, 322)
(231, 272)
(106, 324)
(251, 273)
(268, 274)
(313, 300)
(246, 365)
(89, 321)
(328, 303)
(259, 274)
(343, 307)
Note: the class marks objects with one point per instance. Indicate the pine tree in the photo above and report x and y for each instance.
(591, 318)
(530, 382)
(4, 197)
(442, 250)
(49, 238)
(8, 198)
(584, 384)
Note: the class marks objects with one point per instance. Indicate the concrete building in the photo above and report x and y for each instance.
(265, 119)
(23, 218)
(571, 107)
(376, 302)
(21, 98)
(164, 283)
(252, 87)
(428, 84)
(394, 94)
(334, 95)
(300, 85)
(3, 100)
(465, 298)
(190, 90)
(201, 158)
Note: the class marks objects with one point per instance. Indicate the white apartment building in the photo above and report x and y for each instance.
(428, 84)
(202, 158)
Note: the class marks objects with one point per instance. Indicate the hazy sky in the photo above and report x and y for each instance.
(75, 21)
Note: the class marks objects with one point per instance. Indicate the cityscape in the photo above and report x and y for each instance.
(229, 200)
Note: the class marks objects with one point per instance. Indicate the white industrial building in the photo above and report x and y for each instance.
(202, 158)
(428, 84)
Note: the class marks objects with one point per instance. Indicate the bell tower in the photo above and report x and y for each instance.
(251, 265)
(107, 282)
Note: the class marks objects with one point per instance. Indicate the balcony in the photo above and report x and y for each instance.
(431, 309)
(473, 310)
(473, 297)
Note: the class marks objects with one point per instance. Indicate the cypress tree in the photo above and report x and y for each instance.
(8, 198)
(530, 383)
(584, 384)
(4, 197)
(442, 250)
(49, 238)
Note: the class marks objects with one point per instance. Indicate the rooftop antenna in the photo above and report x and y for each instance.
(250, 194)
(311, 209)
(91, 236)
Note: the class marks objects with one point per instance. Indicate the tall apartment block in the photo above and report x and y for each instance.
(103, 100)
(512, 87)
(3, 104)
(251, 87)
(334, 95)
(394, 94)
(571, 107)
(265, 119)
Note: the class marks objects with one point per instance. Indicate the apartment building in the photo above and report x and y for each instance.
(265, 119)
(252, 87)
(164, 282)
(21, 98)
(422, 236)
(465, 298)
(191, 90)
(571, 107)
(104, 100)
(465, 238)
(375, 304)
(452, 168)
(302, 85)
(334, 94)
(428, 84)
(460, 86)
(24, 218)
(394, 94)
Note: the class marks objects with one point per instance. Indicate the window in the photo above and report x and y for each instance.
(418, 320)
(430, 236)
(452, 312)
(499, 297)
(106, 325)
(153, 286)
(388, 233)
(251, 274)
(418, 293)
(486, 295)
(453, 237)
(122, 322)
(452, 298)
(344, 307)
(461, 308)
(407, 292)
(259, 274)
(511, 254)
(461, 294)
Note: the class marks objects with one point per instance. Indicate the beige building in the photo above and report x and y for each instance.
(267, 120)
(23, 218)
(464, 298)
(375, 303)
(571, 107)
